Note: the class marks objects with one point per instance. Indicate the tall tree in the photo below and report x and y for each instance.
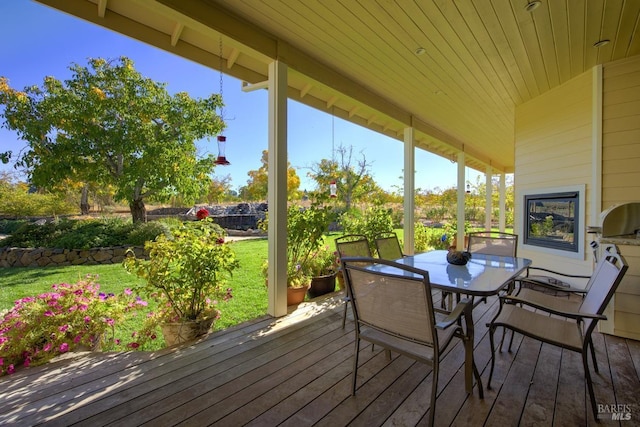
(351, 176)
(257, 185)
(110, 125)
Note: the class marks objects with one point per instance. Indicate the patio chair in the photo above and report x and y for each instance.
(557, 282)
(351, 245)
(489, 243)
(571, 329)
(388, 245)
(548, 291)
(493, 243)
(396, 312)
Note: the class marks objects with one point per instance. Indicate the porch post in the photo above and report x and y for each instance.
(409, 191)
(503, 202)
(461, 196)
(277, 194)
(488, 207)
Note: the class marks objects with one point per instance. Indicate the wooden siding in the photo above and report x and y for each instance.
(621, 176)
(553, 149)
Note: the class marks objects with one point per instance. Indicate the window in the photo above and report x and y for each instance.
(552, 220)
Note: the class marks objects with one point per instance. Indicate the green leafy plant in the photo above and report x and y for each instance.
(374, 220)
(324, 261)
(305, 231)
(426, 238)
(84, 234)
(70, 317)
(187, 272)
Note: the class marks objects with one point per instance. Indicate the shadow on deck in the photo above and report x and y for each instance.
(296, 371)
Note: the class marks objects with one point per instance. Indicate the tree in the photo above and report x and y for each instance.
(257, 185)
(353, 182)
(109, 125)
(219, 189)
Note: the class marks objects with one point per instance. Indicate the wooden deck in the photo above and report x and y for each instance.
(295, 371)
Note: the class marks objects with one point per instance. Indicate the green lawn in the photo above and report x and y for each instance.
(249, 292)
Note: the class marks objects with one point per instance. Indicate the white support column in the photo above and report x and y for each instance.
(461, 196)
(409, 191)
(503, 202)
(488, 205)
(277, 197)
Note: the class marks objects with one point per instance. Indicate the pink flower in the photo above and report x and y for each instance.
(26, 362)
(63, 328)
(1, 361)
(64, 347)
(133, 345)
(48, 313)
(87, 319)
(110, 321)
(128, 291)
(47, 347)
(11, 369)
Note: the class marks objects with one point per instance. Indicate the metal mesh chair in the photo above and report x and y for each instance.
(493, 243)
(351, 245)
(396, 312)
(570, 329)
(388, 246)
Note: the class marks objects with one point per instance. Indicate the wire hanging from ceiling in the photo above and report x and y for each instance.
(222, 140)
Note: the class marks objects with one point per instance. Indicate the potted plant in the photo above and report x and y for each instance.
(323, 268)
(187, 274)
(305, 231)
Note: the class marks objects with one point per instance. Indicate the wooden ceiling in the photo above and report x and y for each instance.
(452, 69)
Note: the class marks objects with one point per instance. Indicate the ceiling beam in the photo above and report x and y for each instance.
(177, 31)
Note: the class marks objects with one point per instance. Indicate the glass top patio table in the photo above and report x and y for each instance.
(483, 275)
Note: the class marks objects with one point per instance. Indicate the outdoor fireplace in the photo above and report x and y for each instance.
(553, 220)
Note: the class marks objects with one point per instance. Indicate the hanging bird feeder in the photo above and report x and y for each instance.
(222, 159)
(333, 190)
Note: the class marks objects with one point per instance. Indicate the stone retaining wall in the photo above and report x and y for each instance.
(40, 257)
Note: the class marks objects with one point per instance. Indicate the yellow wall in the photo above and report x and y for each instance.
(621, 176)
(553, 149)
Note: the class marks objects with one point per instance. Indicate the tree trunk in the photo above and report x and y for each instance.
(138, 211)
(84, 200)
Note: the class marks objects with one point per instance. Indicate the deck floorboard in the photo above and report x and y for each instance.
(296, 371)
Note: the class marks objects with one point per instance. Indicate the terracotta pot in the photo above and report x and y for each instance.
(296, 295)
(322, 285)
(179, 332)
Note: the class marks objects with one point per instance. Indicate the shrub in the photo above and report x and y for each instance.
(429, 238)
(373, 221)
(84, 234)
(70, 317)
(9, 226)
(187, 272)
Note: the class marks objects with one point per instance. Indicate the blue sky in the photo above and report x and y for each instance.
(39, 41)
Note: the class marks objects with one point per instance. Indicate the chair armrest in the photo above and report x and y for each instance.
(555, 287)
(463, 307)
(508, 299)
(575, 276)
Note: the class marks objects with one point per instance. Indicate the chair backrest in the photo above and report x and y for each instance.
(603, 282)
(353, 245)
(493, 243)
(395, 304)
(388, 245)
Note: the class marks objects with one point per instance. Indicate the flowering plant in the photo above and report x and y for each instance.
(323, 262)
(186, 272)
(202, 213)
(70, 317)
